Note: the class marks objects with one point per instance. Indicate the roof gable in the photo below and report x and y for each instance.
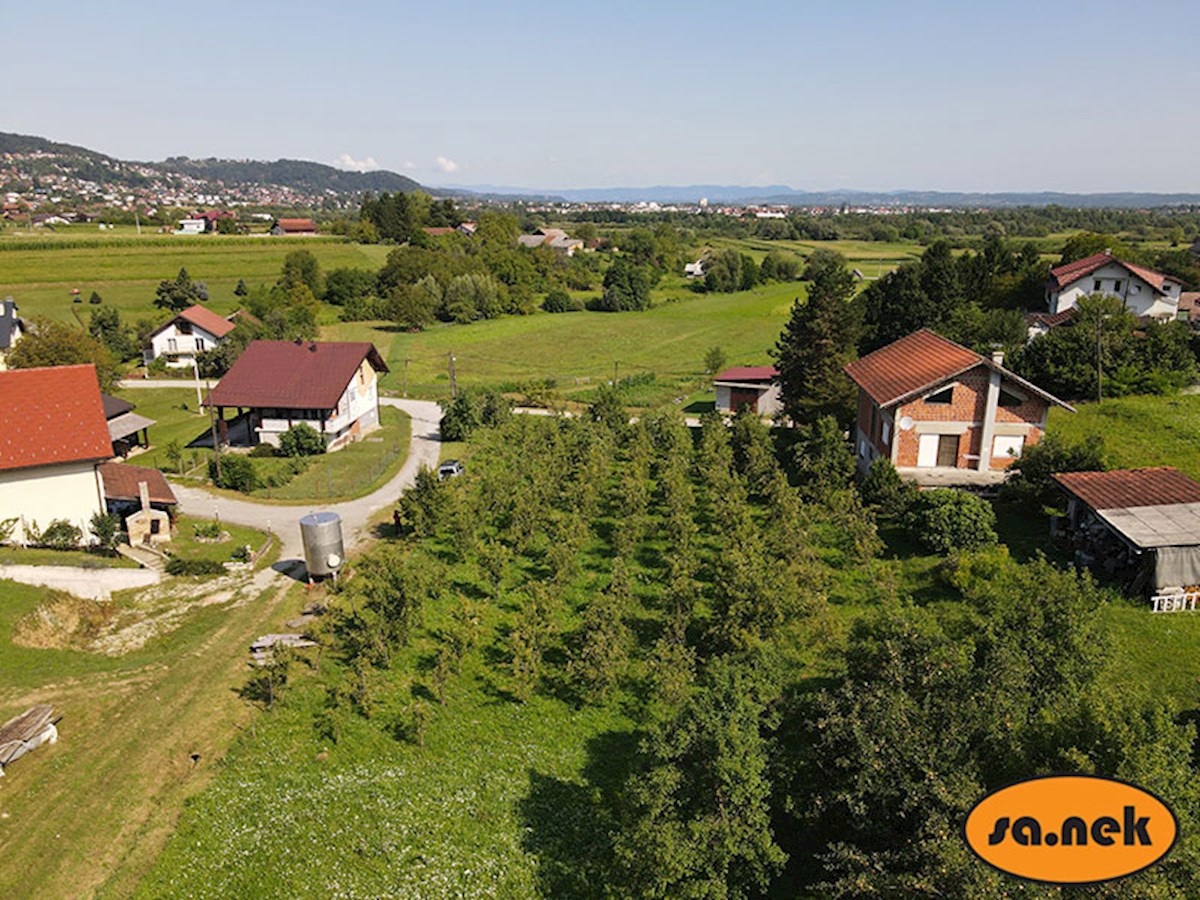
(201, 317)
(50, 416)
(293, 375)
(1069, 273)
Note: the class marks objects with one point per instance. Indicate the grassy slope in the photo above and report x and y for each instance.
(1139, 431)
(98, 806)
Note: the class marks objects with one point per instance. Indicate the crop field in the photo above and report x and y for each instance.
(125, 271)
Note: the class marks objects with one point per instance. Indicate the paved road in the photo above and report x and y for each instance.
(423, 450)
(98, 584)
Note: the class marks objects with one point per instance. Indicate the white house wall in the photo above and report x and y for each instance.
(185, 345)
(42, 494)
(1145, 301)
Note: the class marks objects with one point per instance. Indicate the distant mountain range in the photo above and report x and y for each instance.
(784, 195)
(55, 162)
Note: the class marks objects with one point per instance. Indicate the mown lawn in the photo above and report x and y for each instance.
(125, 271)
(1139, 431)
(38, 556)
(185, 545)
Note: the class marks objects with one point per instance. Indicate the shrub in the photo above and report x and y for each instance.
(301, 440)
(179, 566)
(949, 520)
(106, 529)
(207, 530)
(262, 451)
(559, 301)
(886, 491)
(237, 473)
(61, 535)
(1031, 481)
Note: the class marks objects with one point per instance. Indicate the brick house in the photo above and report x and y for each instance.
(943, 414)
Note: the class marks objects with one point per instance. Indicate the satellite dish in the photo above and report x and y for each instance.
(333, 560)
(906, 423)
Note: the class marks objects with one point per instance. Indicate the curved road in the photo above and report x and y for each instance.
(284, 521)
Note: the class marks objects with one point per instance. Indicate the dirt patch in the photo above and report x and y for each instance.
(63, 622)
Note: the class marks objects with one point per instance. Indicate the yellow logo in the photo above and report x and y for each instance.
(1071, 829)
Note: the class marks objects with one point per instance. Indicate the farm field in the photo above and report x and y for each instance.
(125, 271)
(94, 810)
(1139, 431)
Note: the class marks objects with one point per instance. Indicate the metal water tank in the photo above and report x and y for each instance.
(321, 534)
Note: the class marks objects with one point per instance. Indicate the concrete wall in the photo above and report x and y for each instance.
(1138, 296)
(39, 495)
(769, 401)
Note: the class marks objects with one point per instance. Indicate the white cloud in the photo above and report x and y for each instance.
(408, 165)
(446, 165)
(350, 164)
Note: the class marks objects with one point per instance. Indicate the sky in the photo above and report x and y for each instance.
(964, 95)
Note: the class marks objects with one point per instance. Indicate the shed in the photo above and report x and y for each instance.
(1140, 523)
(753, 386)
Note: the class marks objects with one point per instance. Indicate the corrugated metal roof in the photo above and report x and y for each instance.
(52, 415)
(1131, 488)
(287, 374)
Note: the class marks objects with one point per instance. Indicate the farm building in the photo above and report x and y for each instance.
(11, 328)
(332, 386)
(1142, 291)
(943, 414)
(188, 333)
(52, 435)
(554, 238)
(753, 386)
(191, 226)
(1139, 524)
(294, 227)
(126, 428)
(142, 498)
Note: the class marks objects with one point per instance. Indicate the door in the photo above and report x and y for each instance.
(947, 452)
(927, 451)
(739, 397)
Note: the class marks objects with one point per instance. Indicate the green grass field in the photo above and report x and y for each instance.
(126, 270)
(1139, 431)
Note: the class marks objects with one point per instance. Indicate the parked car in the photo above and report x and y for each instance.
(450, 469)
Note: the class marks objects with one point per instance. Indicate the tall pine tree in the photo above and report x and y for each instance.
(818, 340)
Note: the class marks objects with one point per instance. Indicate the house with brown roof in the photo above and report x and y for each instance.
(754, 386)
(331, 386)
(943, 414)
(52, 435)
(185, 335)
(1141, 526)
(554, 238)
(294, 228)
(141, 498)
(1143, 291)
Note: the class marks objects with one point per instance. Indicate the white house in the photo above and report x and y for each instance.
(191, 226)
(753, 386)
(179, 339)
(1143, 291)
(331, 386)
(11, 329)
(52, 436)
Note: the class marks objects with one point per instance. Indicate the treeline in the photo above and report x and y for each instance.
(785, 743)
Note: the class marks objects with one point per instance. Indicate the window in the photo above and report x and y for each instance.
(199, 343)
(1117, 285)
(1096, 285)
(172, 345)
(887, 432)
(1009, 399)
(944, 397)
(1005, 447)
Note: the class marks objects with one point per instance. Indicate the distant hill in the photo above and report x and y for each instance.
(42, 157)
(782, 194)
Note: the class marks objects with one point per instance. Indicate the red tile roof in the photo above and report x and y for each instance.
(915, 362)
(50, 416)
(439, 232)
(121, 483)
(1051, 320)
(204, 318)
(1125, 488)
(748, 373)
(291, 225)
(1071, 272)
(292, 375)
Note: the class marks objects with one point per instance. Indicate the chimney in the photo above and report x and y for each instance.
(998, 357)
(144, 494)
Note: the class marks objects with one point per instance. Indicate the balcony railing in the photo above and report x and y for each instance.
(1182, 602)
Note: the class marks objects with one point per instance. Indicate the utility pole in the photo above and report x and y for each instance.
(405, 376)
(616, 372)
(199, 398)
(212, 424)
(453, 380)
(1099, 360)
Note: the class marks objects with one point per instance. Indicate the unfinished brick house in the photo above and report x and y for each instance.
(943, 414)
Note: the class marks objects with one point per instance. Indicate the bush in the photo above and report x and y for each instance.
(262, 451)
(106, 529)
(301, 440)
(61, 535)
(237, 473)
(179, 566)
(559, 301)
(1031, 481)
(886, 491)
(949, 520)
(207, 530)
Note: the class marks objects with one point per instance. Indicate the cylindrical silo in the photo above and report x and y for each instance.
(322, 536)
